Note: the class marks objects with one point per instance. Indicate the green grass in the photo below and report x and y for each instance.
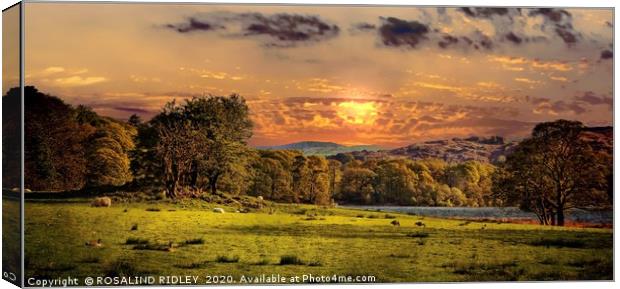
(188, 238)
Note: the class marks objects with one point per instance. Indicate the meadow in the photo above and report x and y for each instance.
(188, 238)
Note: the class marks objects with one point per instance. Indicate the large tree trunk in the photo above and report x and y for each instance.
(213, 183)
(560, 217)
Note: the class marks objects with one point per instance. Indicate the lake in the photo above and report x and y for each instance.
(514, 213)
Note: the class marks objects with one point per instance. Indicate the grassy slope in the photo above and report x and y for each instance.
(339, 241)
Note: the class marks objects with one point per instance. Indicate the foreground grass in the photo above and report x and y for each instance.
(188, 238)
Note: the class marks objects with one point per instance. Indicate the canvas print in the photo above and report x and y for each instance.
(203, 144)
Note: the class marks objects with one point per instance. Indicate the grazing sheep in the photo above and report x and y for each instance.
(102, 202)
(395, 223)
(218, 210)
(420, 224)
(260, 198)
(94, 243)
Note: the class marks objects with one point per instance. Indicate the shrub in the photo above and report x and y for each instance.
(418, 235)
(153, 209)
(227, 259)
(372, 217)
(388, 216)
(136, 241)
(291, 260)
(196, 241)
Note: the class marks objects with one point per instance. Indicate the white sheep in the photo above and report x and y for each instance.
(218, 210)
(102, 202)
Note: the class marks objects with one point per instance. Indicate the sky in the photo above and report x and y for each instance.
(387, 76)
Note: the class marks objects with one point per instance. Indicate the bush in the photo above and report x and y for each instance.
(196, 241)
(226, 259)
(418, 235)
(388, 216)
(291, 260)
(153, 209)
(136, 241)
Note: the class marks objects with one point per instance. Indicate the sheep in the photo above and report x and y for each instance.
(94, 243)
(395, 223)
(260, 198)
(102, 202)
(218, 210)
(420, 224)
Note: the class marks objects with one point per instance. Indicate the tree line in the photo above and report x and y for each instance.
(200, 147)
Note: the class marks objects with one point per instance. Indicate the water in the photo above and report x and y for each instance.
(581, 216)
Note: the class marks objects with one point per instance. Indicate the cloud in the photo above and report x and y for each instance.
(561, 22)
(289, 28)
(280, 30)
(192, 25)
(542, 105)
(134, 110)
(607, 54)
(79, 81)
(520, 63)
(54, 69)
(591, 98)
(485, 12)
(397, 32)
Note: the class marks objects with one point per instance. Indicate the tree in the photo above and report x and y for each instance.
(357, 185)
(318, 178)
(301, 178)
(205, 138)
(395, 183)
(334, 172)
(107, 154)
(54, 155)
(553, 171)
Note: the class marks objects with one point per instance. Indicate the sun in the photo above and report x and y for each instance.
(355, 112)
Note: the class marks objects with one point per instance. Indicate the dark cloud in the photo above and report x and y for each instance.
(555, 107)
(607, 54)
(512, 37)
(281, 30)
(560, 20)
(566, 33)
(397, 32)
(364, 26)
(131, 109)
(288, 28)
(484, 12)
(447, 40)
(552, 14)
(193, 24)
(591, 98)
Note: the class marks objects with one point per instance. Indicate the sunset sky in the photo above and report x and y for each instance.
(388, 76)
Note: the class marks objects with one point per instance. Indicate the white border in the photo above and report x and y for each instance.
(521, 3)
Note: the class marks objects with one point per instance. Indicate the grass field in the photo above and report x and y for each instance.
(161, 238)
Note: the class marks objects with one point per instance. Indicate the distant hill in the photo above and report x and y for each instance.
(322, 148)
(489, 149)
(451, 150)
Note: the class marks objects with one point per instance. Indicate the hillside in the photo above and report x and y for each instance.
(478, 148)
(322, 148)
(451, 150)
